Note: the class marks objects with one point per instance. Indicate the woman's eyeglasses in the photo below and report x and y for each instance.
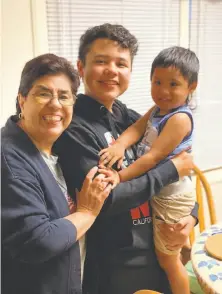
(46, 97)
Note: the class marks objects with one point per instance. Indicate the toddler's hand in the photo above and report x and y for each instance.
(111, 155)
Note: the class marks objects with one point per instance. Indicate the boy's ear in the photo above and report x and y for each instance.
(80, 67)
(193, 87)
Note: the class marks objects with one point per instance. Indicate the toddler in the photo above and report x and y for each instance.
(166, 130)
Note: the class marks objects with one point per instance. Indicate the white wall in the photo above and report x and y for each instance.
(21, 27)
(17, 48)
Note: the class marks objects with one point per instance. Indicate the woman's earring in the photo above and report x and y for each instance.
(20, 115)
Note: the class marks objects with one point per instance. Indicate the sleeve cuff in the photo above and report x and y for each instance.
(71, 232)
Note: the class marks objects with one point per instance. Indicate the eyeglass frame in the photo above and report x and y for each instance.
(49, 99)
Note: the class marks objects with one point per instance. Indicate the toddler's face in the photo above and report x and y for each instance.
(169, 89)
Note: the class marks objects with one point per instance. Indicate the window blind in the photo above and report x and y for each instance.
(154, 23)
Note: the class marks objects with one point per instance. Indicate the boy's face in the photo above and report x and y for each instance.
(169, 89)
(106, 72)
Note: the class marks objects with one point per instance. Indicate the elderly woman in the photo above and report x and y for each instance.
(40, 237)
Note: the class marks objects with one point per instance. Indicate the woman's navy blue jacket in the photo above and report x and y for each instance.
(40, 254)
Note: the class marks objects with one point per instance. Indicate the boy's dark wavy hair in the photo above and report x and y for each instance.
(109, 31)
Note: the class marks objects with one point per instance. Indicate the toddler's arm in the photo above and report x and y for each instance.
(177, 127)
(116, 151)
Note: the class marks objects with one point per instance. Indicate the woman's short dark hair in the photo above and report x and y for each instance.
(107, 31)
(46, 64)
(181, 58)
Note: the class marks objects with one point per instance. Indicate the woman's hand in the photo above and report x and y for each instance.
(111, 176)
(89, 202)
(93, 193)
(176, 235)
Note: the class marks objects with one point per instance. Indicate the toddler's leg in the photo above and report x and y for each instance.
(175, 271)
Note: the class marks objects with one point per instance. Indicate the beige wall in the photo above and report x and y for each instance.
(215, 179)
(17, 48)
(21, 27)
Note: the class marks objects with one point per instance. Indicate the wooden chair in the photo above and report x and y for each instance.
(146, 292)
(202, 184)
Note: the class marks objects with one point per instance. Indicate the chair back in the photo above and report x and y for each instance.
(202, 184)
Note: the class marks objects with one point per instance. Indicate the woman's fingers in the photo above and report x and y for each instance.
(108, 180)
(106, 191)
(88, 178)
(93, 193)
(91, 174)
(105, 171)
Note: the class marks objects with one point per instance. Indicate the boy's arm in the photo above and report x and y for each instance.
(177, 127)
(115, 152)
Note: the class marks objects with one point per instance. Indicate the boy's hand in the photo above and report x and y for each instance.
(112, 176)
(177, 234)
(111, 155)
(183, 163)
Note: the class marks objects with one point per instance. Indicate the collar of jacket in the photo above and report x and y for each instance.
(89, 107)
(14, 130)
